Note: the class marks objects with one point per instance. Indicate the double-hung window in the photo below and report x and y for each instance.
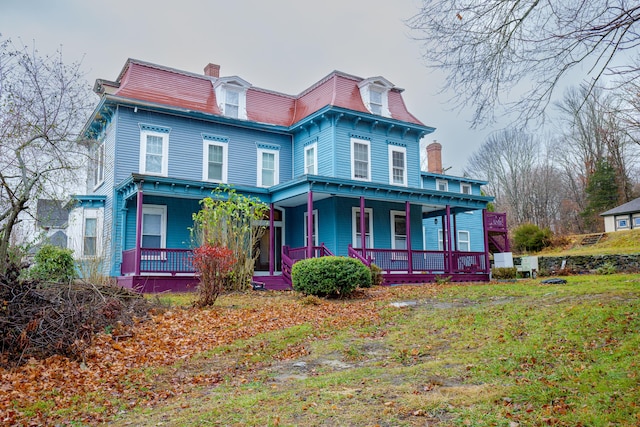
(375, 101)
(398, 230)
(314, 236)
(311, 159)
(98, 165)
(464, 242)
(215, 155)
(360, 159)
(442, 185)
(232, 103)
(397, 165)
(465, 188)
(90, 237)
(268, 164)
(368, 227)
(154, 150)
(154, 226)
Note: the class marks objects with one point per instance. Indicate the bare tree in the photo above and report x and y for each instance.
(516, 53)
(43, 105)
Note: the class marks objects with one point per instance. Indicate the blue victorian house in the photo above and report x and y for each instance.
(338, 165)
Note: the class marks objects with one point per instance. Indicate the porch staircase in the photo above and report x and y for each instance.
(592, 239)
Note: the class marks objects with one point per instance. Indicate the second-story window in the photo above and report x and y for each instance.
(442, 185)
(98, 165)
(465, 188)
(154, 150)
(268, 163)
(215, 154)
(360, 160)
(311, 160)
(397, 165)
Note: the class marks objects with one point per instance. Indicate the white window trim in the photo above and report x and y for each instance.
(442, 181)
(276, 177)
(403, 150)
(463, 186)
(205, 160)
(468, 240)
(636, 221)
(393, 216)
(143, 152)
(315, 227)
(313, 146)
(355, 141)
(99, 165)
(91, 213)
(440, 240)
(156, 209)
(236, 84)
(354, 228)
(619, 221)
(379, 84)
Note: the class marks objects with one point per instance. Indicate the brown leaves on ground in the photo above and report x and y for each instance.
(121, 369)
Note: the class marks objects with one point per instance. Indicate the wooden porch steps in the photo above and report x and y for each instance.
(592, 239)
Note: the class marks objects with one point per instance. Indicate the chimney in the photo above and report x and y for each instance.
(434, 157)
(212, 70)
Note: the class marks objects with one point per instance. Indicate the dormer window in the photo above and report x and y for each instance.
(231, 95)
(374, 92)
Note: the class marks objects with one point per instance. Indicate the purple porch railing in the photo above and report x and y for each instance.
(156, 260)
(394, 260)
(495, 221)
(291, 255)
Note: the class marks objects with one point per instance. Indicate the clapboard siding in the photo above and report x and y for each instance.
(186, 146)
(471, 222)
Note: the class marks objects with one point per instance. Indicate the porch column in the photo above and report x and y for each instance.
(407, 209)
(272, 241)
(138, 257)
(448, 223)
(363, 234)
(455, 233)
(486, 241)
(310, 224)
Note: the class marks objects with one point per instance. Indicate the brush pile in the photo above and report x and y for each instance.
(40, 319)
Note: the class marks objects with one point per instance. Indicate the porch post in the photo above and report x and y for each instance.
(310, 224)
(455, 233)
(272, 241)
(363, 234)
(407, 209)
(486, 241)
(138, 257)
(448, 222)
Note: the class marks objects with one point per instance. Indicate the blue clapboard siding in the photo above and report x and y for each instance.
(455, 183)
(186, 146)
(471, 222)
(323, 138)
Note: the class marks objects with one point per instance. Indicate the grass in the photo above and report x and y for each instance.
(619, 242)
(485, 355)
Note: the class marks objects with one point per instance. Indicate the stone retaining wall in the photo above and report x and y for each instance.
(587, 263)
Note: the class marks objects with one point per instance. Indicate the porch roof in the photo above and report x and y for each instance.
(295, 192)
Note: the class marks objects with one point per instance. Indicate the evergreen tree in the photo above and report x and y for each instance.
(602, 194)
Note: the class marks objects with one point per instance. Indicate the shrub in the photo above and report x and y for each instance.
(214, 264)
(530, 237)
(329, 276)
(376, 276)
(54, 264)
(504, 273)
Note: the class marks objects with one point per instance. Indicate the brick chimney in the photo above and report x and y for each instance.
(212, 70)
(434, 157)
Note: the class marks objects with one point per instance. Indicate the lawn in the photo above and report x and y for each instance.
(508, 354)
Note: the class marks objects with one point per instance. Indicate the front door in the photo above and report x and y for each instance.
(262, 261)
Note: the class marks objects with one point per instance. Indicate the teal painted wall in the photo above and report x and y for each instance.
(471, 222)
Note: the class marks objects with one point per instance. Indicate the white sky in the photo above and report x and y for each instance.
(282, 45)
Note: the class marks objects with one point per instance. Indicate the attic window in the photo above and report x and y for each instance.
(374, 92)
(231, 95)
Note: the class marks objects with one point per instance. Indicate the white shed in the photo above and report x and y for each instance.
(623, 217)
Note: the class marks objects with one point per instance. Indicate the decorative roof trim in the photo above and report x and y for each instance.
(154, 128)
(266, 146)
(358, 136)
(211, 137)
(396, 143)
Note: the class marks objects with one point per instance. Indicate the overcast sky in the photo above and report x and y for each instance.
(282, 45)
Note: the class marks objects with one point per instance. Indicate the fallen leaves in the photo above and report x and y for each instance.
(122, 371)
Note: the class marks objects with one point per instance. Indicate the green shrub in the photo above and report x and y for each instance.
(607, 268)
(54, 264)
(504, 273)
(376, 276)
(329, 276)
(531, 238)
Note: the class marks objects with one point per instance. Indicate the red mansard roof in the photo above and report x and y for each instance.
(166, 86)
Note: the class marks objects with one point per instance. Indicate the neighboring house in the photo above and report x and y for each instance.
(623, 217)
(338, 166)
(52, 218)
